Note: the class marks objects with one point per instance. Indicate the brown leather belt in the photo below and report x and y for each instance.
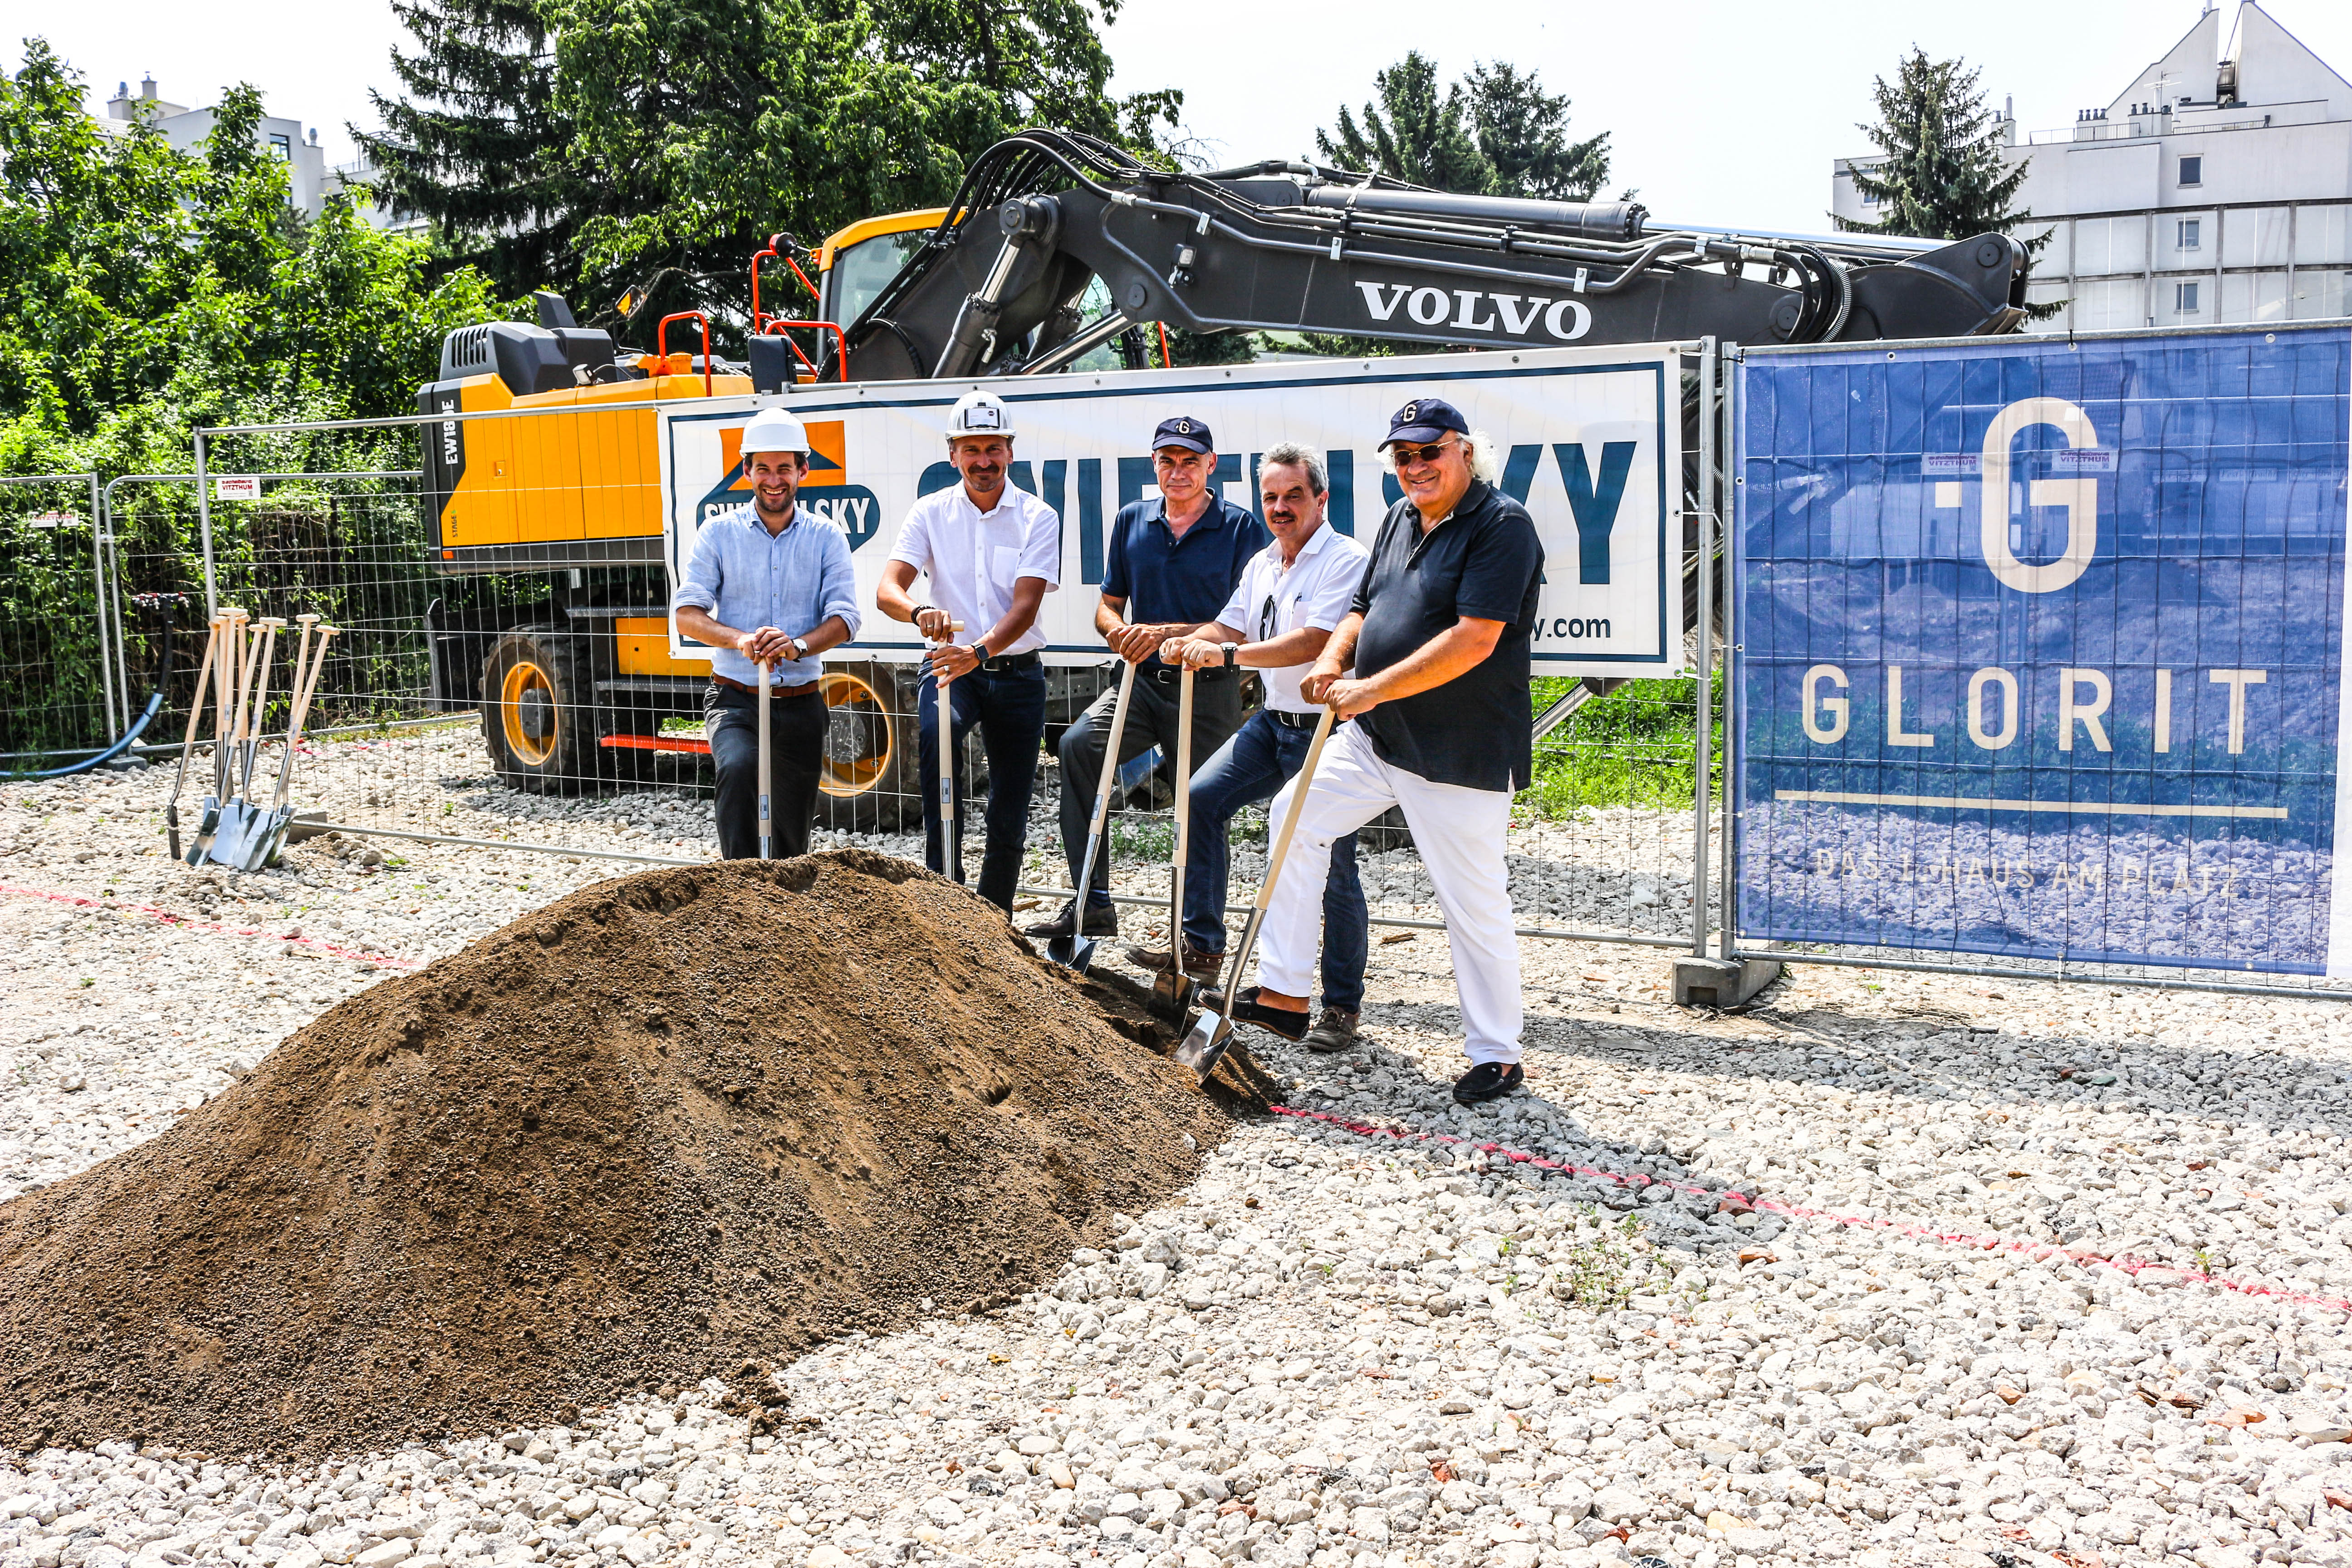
(778, 693)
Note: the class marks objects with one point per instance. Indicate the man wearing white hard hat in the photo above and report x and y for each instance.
(992, 552)
(768, 582)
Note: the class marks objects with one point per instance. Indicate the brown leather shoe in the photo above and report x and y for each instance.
(1203, 967)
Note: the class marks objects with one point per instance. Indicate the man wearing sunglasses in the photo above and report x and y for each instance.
(1292, 595)
(1439, 637)
(1170, 564)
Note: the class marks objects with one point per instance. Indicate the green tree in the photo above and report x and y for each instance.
(1940, 174)
(1411, 132)
(475, 144)
(143, 289)
(1522, 132)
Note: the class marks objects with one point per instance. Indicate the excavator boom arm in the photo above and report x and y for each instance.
(997, 287)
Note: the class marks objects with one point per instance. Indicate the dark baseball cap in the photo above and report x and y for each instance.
(1425, 419)
(1183, 431)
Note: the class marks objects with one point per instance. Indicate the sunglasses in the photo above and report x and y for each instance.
(1408, 456)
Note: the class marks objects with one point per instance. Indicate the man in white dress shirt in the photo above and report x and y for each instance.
(1292, 594)
(993, 552)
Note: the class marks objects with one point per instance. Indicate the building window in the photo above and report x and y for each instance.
(282, 149)
(2192, 171)
(2184, 299)
(2187, 233)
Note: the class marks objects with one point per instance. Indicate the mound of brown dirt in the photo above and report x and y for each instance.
(666, 1128)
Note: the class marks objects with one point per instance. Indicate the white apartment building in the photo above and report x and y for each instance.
(310, 179)
(2216, 188)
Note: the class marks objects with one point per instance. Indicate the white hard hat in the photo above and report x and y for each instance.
(774, 430)
(980, 413)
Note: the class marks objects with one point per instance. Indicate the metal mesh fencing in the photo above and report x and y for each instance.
(536, 705)
(56, 639)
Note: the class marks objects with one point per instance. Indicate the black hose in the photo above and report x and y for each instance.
(154, 706)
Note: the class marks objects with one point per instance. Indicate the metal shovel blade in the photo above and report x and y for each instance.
(238, 821)
(1203, 1046)
(1172, 993)
(268, 835)
(208, 824)
(1072, 952)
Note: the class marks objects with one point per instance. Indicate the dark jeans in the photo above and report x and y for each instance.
(1252, 766)
(1151, 721)
(1009, 706)
(796, 727)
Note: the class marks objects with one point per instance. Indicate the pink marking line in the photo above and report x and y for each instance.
(380, 960)
(2040, 1252)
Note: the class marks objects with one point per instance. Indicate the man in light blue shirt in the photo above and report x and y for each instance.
(766, 566)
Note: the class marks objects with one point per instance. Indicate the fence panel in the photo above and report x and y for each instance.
(58, 634)
(2043, 654)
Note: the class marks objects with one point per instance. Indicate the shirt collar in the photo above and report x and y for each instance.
(1214, 517)
(750, 514)
(1314, 545)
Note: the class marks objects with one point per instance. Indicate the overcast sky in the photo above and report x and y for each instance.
(1719, 112)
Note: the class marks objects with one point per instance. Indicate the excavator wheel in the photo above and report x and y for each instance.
(539, 716)
(868, 782)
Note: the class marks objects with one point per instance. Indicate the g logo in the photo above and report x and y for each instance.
(2080, 497)
(1183, 427)
(1410, 412)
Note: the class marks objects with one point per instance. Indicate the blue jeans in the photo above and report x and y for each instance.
(1009, 707)
(1249, 768)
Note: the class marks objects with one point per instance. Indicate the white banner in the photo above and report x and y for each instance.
(1589, 441)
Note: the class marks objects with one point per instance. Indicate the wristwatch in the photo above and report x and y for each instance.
(1230, 650)
(800, 648)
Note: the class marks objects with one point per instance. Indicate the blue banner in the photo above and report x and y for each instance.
(2041, 648)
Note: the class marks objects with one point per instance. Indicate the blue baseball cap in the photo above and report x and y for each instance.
(1425, 419)
(1183, 431)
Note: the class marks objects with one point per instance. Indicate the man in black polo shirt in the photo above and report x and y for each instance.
(1439, 641)
(1170, 566)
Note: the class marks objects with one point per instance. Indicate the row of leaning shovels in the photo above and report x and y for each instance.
(235, 829)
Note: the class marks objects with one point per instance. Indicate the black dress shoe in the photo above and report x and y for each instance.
(1100, 921)
(1488, 1081)
(1248, 1009)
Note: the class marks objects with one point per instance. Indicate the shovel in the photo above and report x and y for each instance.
(241, 821)
(269, 834)
(1213, 1032)
(228, 695)
(1077, 951)
(188, 746)
(1171, 991)
(767, 823)
(950, 819)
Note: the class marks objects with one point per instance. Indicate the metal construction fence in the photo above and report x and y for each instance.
(536, 703)
(536, 706)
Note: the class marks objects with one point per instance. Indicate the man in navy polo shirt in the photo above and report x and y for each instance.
(1439, 639)
(1170, 566)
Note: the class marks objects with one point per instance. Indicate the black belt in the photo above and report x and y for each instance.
(1003, 662)
(780, 693)
(1167, 675)
(1289, 721)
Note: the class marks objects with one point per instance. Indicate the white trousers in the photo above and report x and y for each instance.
(1460, 833)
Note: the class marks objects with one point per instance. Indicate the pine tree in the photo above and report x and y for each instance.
(1523, 132)
(1411, 132)
(1941, 175)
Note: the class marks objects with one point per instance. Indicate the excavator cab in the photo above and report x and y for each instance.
(858, 262)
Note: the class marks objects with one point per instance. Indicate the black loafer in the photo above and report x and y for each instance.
(1248, 1009)
(1488, 1081)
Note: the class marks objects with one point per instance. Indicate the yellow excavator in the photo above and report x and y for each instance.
(1058, 253)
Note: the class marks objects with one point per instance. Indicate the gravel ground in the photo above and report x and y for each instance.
(1344, 1347)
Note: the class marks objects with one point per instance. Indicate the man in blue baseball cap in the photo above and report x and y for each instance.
(1439, 639)
(1170, 565)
